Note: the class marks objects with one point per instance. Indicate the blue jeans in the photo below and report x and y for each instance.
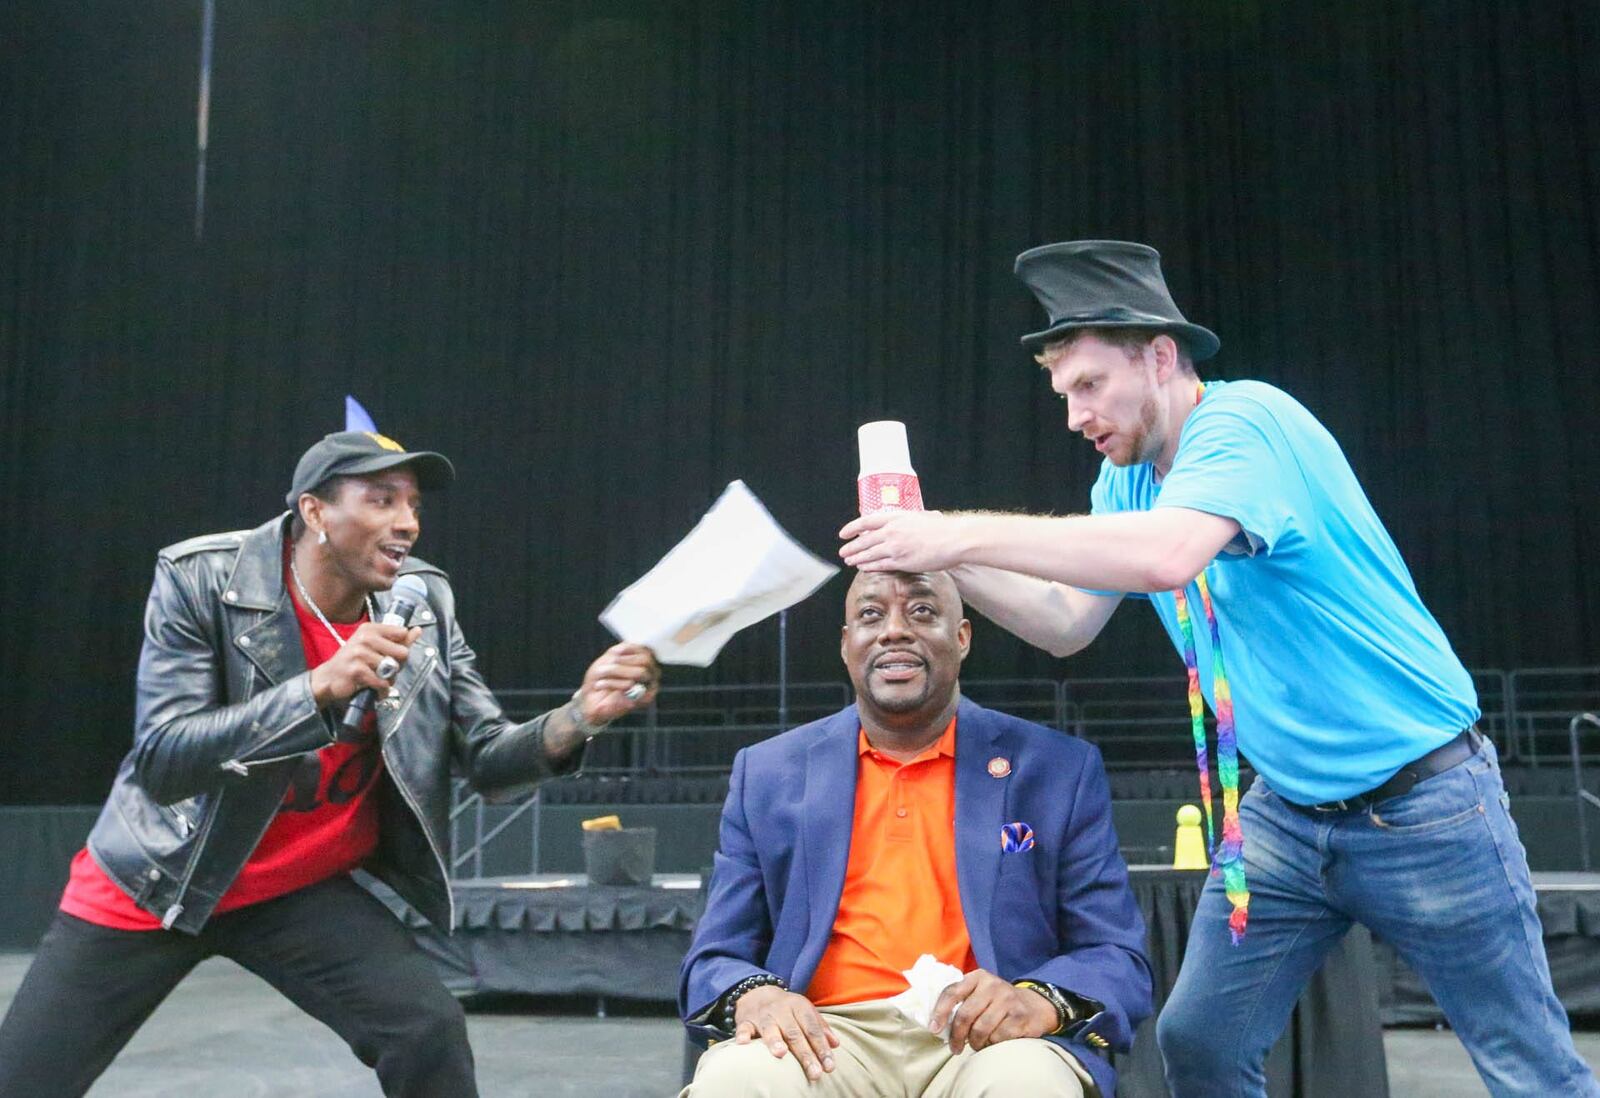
(1438, 873)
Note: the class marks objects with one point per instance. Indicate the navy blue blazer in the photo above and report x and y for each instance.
(1061, 912)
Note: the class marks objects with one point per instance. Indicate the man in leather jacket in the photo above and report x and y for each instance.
(234, 822)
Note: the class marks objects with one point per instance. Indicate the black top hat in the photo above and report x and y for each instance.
(1106, 284)
(351, 453)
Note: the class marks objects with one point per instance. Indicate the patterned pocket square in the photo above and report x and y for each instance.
(1015, 838)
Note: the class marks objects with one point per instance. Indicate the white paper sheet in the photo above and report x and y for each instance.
(736, 567)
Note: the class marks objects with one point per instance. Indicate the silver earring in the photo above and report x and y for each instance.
(322, 537)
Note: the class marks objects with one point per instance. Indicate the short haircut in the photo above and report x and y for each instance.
(1129, 340)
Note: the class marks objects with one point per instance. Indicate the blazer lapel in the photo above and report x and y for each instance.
(980, 812)
(828, 814)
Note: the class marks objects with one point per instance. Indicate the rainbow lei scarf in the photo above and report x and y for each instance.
(1229, 858)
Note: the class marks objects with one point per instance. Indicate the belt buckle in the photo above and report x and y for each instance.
(1333, 806)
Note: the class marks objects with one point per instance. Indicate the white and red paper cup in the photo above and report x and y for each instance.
(887, 482)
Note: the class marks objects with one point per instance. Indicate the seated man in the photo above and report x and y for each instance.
(915, 822)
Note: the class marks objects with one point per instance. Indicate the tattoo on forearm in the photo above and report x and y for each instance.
(561, 733)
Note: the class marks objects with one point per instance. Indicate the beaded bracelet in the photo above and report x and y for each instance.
(730, 1000)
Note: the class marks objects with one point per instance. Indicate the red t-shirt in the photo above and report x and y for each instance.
(327, 824)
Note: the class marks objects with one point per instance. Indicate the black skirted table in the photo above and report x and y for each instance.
(559, 935)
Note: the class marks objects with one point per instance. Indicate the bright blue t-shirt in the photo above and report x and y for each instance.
(1339, 674)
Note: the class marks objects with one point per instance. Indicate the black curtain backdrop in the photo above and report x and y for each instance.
(611, 255)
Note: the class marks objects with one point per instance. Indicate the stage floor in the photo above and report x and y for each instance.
(225, 1034)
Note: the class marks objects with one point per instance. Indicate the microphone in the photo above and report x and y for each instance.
(409, 593)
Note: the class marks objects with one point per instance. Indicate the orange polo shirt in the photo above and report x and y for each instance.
(901, 898)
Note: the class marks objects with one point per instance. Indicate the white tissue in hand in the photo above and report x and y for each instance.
(928, 977)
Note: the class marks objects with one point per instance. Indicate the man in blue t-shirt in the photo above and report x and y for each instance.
(1233, 510)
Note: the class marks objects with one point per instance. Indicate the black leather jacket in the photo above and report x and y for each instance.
(225, 711)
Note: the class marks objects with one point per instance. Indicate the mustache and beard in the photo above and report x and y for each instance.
(1142, 442)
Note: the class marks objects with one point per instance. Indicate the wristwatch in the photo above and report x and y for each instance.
(1066, 1011)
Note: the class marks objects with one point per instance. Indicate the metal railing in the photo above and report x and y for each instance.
(1584, 798)
(470, 809)
(688, 730)
(1540, 701)
(1043, 701)
(1138, 722)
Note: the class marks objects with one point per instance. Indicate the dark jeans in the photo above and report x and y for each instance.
(332, 949)
(1438, 873)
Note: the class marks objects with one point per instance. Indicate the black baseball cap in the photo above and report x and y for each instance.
(353, 453)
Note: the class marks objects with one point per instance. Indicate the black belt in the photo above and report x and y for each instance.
(1440, 759)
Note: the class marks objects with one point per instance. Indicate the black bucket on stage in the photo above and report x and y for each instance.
(625, 856)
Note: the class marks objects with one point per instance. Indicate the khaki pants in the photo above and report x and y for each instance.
(884, 1054)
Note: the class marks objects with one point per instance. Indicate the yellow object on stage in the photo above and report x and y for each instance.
(603, 823)
(1189, 848)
